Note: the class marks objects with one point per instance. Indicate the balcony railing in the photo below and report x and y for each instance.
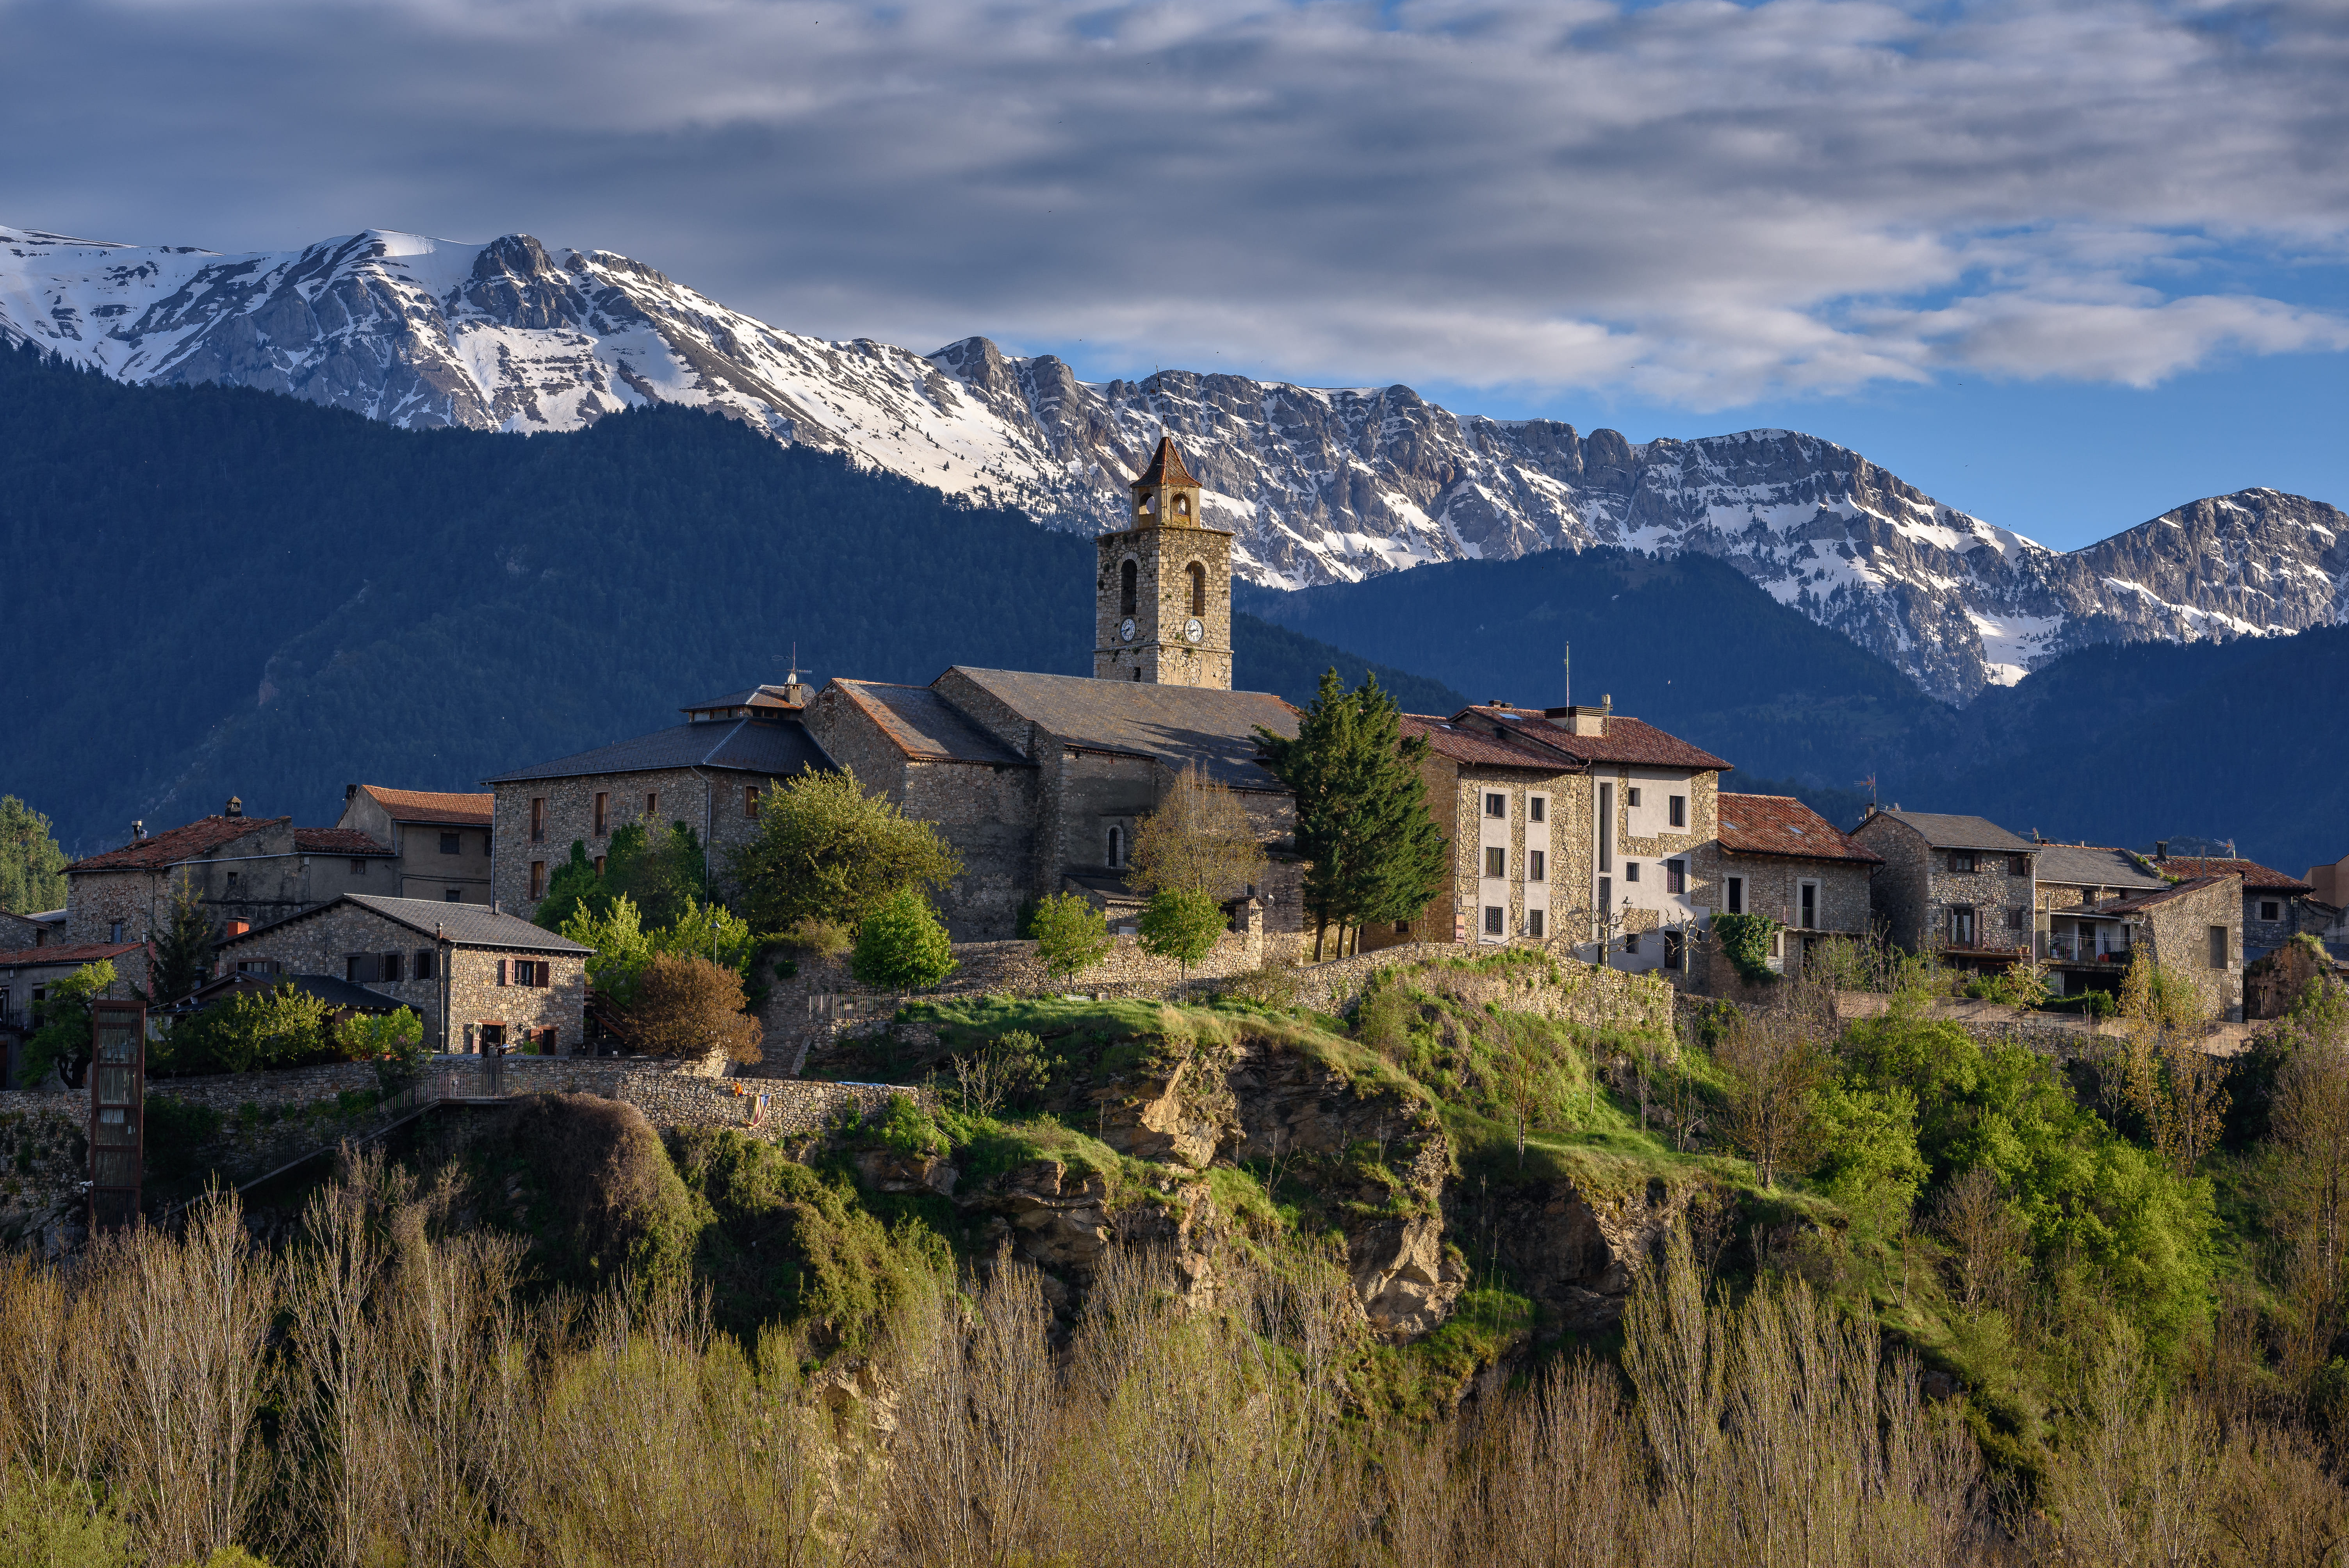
(2072, 950)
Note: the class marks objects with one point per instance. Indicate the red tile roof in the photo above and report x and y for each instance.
(435, 805)
(1478, 750)
(84, 952)
(2130, 905)
(335, 841)
(924, 726)
(2266, 879)
(1782, 825)
(1631, 741)
(197, 838)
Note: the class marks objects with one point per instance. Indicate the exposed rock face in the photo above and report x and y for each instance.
(1320, 485)
(1577, 1252)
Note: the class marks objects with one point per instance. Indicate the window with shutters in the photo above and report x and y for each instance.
(1677, 806)
(538, 879)
(1676, 876)
(422, 968)
(449, 844)
(538, 819)
(2018, 865)
(501, 971)
(1961, 860)
(1496, 862)
(386, 967)
(1961, 924)
(1495, 919)
(1536, 865)
(602, 810)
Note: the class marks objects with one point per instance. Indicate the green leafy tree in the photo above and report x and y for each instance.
(1181, 924)
(574, 885)
(183, 949)
(61, 1036)
(394, 1041)
(1362, 810)
(32, 866)
(624, 947)
(1070, 935)
(659, 867)
(901, 947)
(826, 850)
(278, 1027)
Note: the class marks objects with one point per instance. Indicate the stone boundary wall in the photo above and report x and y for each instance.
(44, 1163)
(767, 1110)
(1989, 1023)
(224, 1092)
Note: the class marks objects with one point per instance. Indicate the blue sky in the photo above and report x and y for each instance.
(2062, 265)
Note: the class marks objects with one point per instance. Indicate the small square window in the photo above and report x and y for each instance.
(451, 896)
(1631, 941)
(1497, 863)
(1496, 919)
(1677, 806)
(1497, 805)
(422, 968)
(1630, 871)
(359, 868)
(1632, 796)
(1533, 923)
(2271, 911)
(1538, 809)
(1961, 861)
(449, 844)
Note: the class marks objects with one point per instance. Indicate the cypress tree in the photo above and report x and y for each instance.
(1361, 810)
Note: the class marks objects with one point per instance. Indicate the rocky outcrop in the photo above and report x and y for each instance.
(1577, 1250)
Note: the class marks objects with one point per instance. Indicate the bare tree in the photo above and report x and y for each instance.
(1985, 1238)
(1774, 1067)
(2172, 1082)
(1198, 840)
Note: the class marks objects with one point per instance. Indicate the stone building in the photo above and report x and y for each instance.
(253, 869)
(26, 975)
(2277, 906)
(1959, 886)
(1038, 780)
(440, 841)
(1162, 600)
(709, 773)
(481, 980)
(1575, 826)
(2193, 928)
(2076, 879)
(1781, 860)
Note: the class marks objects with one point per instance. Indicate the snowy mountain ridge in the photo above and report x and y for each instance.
(1320, 485)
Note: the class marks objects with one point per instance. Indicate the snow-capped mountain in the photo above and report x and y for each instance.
(1320, 485)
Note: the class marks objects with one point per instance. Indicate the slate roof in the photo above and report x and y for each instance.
(2144, 901)
(925, 727)
(1946, 831)
(332, 989)
(442, 808)
(1782, 825)
(81, 952)
(2092, 865)
(768, 697)
(177, 844)
(466, 925)
(2264, 879)
(336, 842)
(1478, 750)
(1165, 468)
(1174, 725)
(1632, 742)
(773, 748)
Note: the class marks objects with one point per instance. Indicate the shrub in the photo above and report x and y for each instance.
(687, 1006)
(393, 1041)
(620, 1207)
(1272, 985)
(2020, 984)
(1012, 1066)
(827, 851)
(1745, 941)
(1071, 935)
(1181, 924)
(275, 1028)
(45, 1523)
(901, 947)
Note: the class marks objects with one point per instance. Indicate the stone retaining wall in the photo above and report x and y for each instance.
(224, 1092)
(44, 1163)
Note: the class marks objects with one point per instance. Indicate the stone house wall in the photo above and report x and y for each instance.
(43, 1160)
(713, 809)
(420, 868)
(2002, 902)
(1772, 883)
(2178, 929)
(1898, 893)
(258, 878)
(2263, 936)
(463, 992)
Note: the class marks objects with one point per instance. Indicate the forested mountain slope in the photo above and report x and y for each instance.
(215, 591)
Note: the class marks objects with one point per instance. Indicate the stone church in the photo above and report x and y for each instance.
(1038, 780)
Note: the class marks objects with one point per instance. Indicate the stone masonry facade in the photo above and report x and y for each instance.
(1162, 559)
(2196, 931)
(470, 991)
(537, 822)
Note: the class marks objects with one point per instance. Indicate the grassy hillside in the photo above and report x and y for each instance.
(220, 592)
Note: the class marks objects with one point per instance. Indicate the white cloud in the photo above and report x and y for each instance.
(1695, 202)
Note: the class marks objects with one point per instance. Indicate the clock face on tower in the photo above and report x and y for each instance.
(1125, 631)
(1193, 631)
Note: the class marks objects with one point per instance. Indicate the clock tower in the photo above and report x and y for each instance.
(1162, 605)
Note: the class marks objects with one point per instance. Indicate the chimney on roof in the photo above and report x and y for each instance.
(350, 793)
(236, 807)
(2161, 849)
(1606, 703)
(138, 831)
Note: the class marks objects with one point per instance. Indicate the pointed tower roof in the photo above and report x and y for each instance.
(1165, 468)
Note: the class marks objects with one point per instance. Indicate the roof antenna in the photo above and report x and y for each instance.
(1568, 662)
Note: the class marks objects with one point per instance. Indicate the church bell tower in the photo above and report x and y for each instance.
(1162, 606)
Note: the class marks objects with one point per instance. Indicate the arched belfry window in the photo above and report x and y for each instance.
(1128, 588)
(1199, 588)
(1182, 506)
